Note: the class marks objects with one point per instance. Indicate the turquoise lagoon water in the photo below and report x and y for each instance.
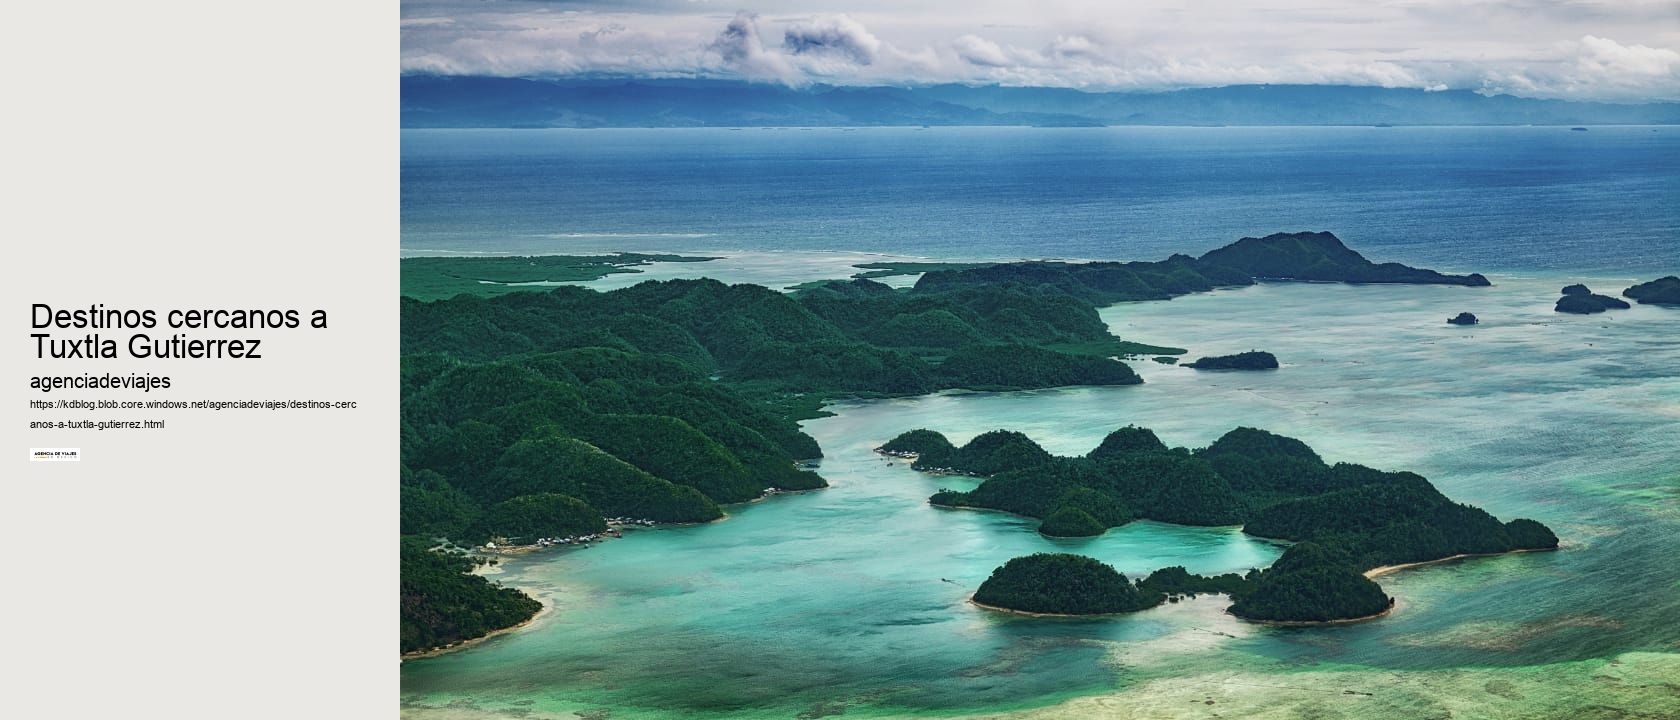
(853, 599)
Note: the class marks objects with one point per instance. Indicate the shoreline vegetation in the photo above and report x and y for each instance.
(1581, 300)
(1373, 573)
(437, 278)
(1250, 360)
(1392, 604)
(547, 607)
(535, 412)
(1026, 613)
(1661, 291)
(1276, 623)
(1347, 523)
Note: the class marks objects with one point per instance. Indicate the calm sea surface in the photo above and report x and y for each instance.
(851, 600)
(1493, 199)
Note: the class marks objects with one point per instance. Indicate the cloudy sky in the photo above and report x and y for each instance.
(1617, 50)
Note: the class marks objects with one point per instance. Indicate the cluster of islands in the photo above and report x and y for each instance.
(1578, 299)
(534, 412)
(1342, 520)
(1581, 300)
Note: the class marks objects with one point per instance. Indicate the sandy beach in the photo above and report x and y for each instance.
(1386, 569)
(546, 606)
(995, 608)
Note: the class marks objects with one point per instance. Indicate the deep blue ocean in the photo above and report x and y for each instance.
(1453, 198)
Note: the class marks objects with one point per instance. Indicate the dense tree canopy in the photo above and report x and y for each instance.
(1344, 518)
(541, 515)
(1070, 521)
(1661, 291)
(1175, 581)
(1127, 441)
(1173, 487)
(1315, 594)
(540, 414)
(1062, 584)
(1588, 304)
(1321, 256)
(533, 415)
(917, 442)
(1581, 300)
(442, 604)
(1251, 360)
(987, 454)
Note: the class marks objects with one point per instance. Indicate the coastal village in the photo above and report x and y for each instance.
(615, 529)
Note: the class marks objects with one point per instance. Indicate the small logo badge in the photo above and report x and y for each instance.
(55, 454)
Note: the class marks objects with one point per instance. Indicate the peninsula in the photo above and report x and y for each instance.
(1322, 257)
(436, 278)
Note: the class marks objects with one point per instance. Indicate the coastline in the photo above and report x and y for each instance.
(759, 499)
(1372, 573)
(1485, 643)
(1392, 603)
(1029, 613)
(519, 550)
(469, 642)
(1381, 570)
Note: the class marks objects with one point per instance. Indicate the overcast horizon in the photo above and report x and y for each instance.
(1556, 49)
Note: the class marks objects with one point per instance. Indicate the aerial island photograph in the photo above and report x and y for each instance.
(1068, 359)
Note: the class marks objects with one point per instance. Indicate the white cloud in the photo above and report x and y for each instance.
(980, 51)
(1076, 47)
(1622, 51)
(1592, 68)
(833, 35)
(1607, 59)
(743, 51)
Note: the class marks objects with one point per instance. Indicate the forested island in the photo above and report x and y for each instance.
(1342, 519)
(1061, 584)
(1581, 300)
(1251, 360)
(1661, 291)
(542, 416)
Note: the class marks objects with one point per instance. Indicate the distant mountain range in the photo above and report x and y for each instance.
(457, 101)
